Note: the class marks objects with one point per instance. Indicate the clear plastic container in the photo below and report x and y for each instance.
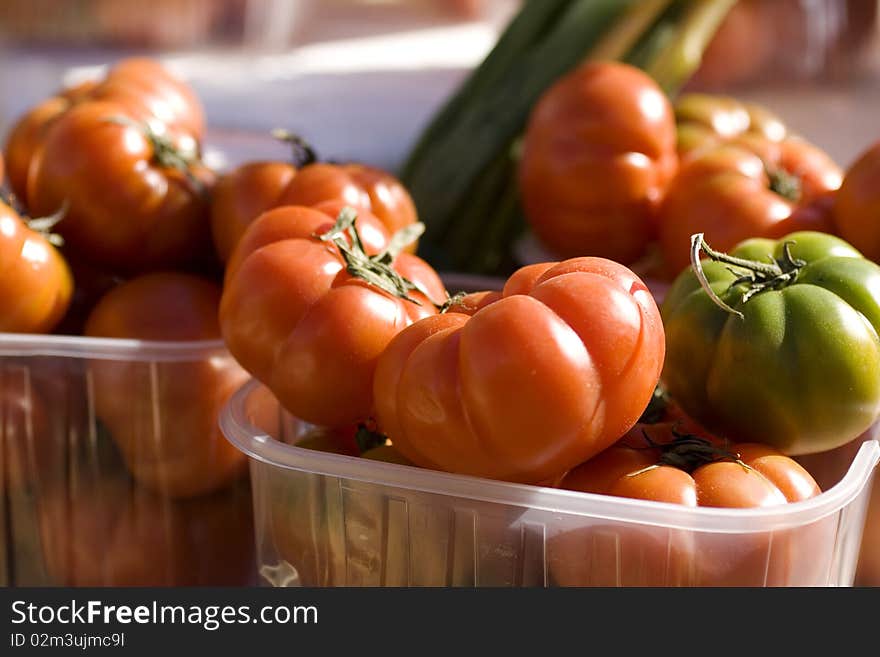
(113, 470)
(325, 519)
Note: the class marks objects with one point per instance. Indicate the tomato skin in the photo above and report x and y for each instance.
(253, 188)
(598, 153)
(363, 187)
(299, 322)
(801, 371)
(724, 187)
(857, 204)
(37, 285)
(531, 384)
(125, 210)
(163, 415)
(241, 196)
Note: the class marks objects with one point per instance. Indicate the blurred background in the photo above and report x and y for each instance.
(311, 65)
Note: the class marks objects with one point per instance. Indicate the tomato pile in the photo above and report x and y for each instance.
(765, 347)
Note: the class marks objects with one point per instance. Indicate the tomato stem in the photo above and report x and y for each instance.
(376, 270)
(166, 153)
(688, 452)
(758, 276)
(41, 225)
(303, 152)
(787, 185)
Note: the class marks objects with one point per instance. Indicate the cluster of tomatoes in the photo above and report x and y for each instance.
(307, 271)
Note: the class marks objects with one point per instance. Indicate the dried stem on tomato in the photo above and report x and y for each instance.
(376, 270)
(303, 152)
(166, 153)
(757, 276)
(688, 452)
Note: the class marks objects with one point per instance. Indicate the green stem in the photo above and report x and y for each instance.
(759, 276)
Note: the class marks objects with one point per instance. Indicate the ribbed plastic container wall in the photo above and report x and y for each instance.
(330, 520)
(113, 470)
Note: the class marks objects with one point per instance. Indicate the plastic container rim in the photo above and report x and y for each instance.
(261, 447)
(66, 346)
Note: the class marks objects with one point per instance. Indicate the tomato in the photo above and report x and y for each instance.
(163, 415)
(598, 154)
(302, 318)
(36, 284)
(532, 383)
(361, 186)
(739, 50)
(664, 465)
(105, 531)
(386, 453)
(241, 196)
(857, 204)
(705, 121)
(694, 471)
(742, 176)
(253, 188)
(147, 91)
(795, 359)
(26, 135)
(130, 202)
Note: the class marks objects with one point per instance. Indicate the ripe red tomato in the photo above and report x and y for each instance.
(36, 286)
(147, 91)
(300, 316)
(106, 531)
(857, 205)
(730, 194)
(598, 154)
(241, 196)
(163, 415)
(253, 188)
(130, 203)
(684, 469)
(532, 383)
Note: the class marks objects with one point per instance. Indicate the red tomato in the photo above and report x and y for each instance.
(163, 415)
(728, 194)
(146, 90)
(598, 154)
(131, 204)
(530, 384)
(300, 321)
(241, 196)
(244, 194)
(36, 286)
(109, 532)
(857, 205)
(27, 134)
(692, 471)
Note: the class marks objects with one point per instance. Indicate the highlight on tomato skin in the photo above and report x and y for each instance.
(529, 383)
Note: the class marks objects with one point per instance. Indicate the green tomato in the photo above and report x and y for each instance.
(797, 366)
